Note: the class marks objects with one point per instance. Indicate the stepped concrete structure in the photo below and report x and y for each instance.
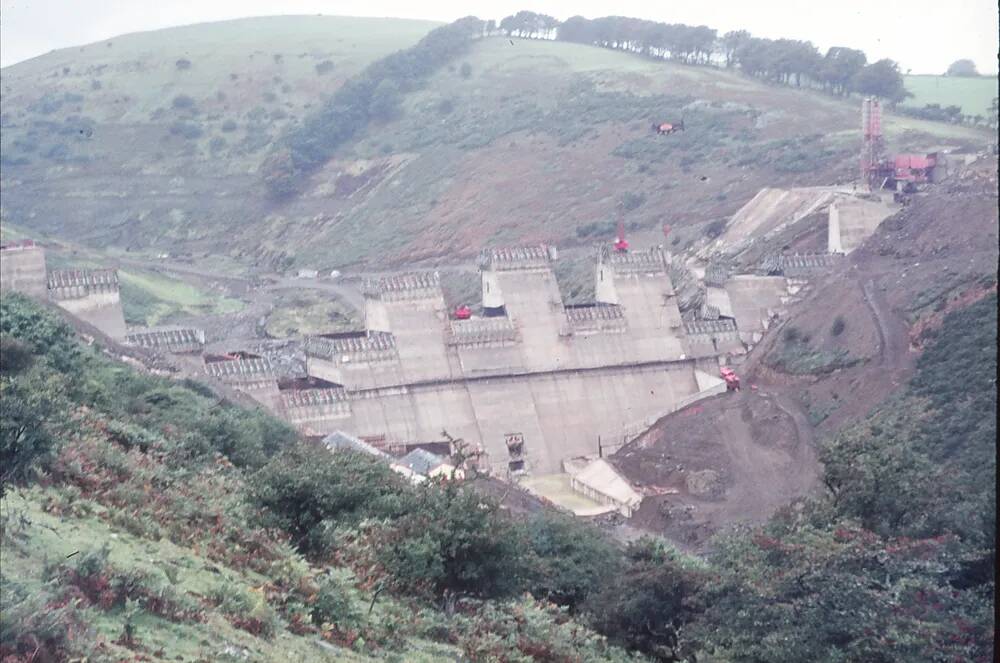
(315, 406)
(91, 295)
(248, 373)
(554, 378)
(174, 340)
(22, 268)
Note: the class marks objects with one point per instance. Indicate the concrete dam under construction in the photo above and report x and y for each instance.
(532, 382)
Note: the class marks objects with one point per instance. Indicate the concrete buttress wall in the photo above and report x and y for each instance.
(22, 269)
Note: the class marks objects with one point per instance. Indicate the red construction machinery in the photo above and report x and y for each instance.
(663, 128)
(621, 244)
(463, 312)
(732, 380)
(902, 172)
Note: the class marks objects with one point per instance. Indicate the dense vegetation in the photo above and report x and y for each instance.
(371, 96)
(841, 70)
(894, 563)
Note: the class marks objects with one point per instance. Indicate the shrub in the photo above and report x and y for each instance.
(188, 130)
(245, 610)
(25, 442)
(630, 201)
(647, 606)
(570, 558)
(529, 630)
(247, 438)
(229, 126)
(255, 140)
(324, 67)
(131, 436)
(47, 105)
(465, 71)
(217, 144)
(715, 228)
(15, 355)
(108, 587)
(334, 605)
(38, 626)
(183, 102)
(445, 106)
(306, 490)
(452, 542)
(183, 64)
(57, 152)
(839, 324)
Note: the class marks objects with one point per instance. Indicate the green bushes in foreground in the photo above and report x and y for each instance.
(894, 563)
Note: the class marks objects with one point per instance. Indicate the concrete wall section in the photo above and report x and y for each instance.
(504, 407)
(767, 212)
(414, 414)
(534, 304)
(655, 331)
(91, 295)
(388, 412)
(476, 361)
(559, 414)
(576, 408)
(22, 269)
(101, 309)
(852, 221)
(420, 331)
(754, 298)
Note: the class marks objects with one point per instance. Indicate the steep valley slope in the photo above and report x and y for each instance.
(153, 143)
(841, 355)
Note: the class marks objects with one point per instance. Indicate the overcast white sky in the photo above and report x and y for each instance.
(922, 35)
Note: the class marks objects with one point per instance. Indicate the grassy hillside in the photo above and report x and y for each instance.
(973, 95)
(146, 519)
(154, 143)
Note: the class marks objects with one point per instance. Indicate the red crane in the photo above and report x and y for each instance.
(621, 244)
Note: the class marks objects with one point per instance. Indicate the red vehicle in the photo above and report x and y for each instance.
(463, 312)
(732, 380)
(663, 128)
(621, 244)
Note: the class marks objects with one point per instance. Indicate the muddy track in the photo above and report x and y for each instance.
(892, 348)
(803, 429)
